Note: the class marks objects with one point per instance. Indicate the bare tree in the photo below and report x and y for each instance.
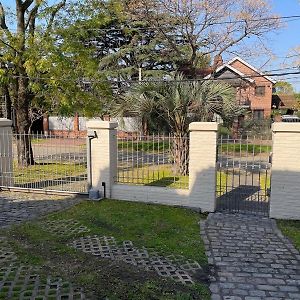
(212, 26)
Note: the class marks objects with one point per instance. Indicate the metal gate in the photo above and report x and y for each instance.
(243, 175)
(43, 162)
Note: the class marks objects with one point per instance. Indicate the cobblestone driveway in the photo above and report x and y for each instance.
(252, 259)
(18, 207)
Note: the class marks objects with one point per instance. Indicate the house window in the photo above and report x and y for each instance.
(258, 114)
(260, 91)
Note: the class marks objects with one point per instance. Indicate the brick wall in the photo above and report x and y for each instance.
(257, 102)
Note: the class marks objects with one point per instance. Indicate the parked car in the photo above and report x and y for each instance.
(290, 118)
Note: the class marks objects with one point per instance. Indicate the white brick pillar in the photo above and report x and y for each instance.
(6, 154)
(103, 154)
(202, 166)
(285, 179)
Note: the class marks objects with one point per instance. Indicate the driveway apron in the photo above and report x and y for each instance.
(250, 258)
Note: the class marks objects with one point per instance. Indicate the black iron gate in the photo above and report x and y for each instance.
(52, 163)
(243, 175)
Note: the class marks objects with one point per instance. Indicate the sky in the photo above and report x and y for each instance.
(287, 38)
(281, 42)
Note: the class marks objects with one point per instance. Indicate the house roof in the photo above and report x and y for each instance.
(234, 70)
(284, 101)
(237, 58)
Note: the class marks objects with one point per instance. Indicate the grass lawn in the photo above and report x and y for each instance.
(155, 146)
(146, 146)
(39, 172)
(224, 180)
(291, 229)
(168, 230)
(244, 148)
(161, 175)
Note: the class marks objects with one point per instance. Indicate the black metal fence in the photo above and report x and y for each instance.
(49, 163)
(243, 175)
(155, 160)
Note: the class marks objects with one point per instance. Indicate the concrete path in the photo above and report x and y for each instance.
(250, 258)
(18, 207)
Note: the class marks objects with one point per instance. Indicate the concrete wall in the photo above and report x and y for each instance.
(285, 183)
(61, 123)
(6, 155)
(103, 155)
(202, 173)
(151, 194)
(201, 192)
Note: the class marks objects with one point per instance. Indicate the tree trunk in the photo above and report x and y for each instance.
(8, 105)
(24, 148)
(181, 153)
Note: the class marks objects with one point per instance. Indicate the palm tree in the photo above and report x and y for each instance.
(178, 103)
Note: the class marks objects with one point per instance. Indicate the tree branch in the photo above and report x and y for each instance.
(26, 4)
(8, 45)
(31, 18)
(2, 18)
(56, 9)
(3, 21)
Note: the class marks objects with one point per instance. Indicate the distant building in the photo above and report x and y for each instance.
(253, 88)
(285, 102)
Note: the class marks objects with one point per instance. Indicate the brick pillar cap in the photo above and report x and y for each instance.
(96, 124)
(5, 122)
(285, 127)
(203, 126)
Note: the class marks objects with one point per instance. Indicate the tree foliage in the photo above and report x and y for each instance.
(177, 103)
(61, 54)
(212, 27)
(41, 69)
(284, 87)
(124, 40)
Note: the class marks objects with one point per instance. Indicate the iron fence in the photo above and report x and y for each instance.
(156, 160)
(243, 174)
(49, 163)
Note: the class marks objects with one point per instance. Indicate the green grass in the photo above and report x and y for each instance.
(36, 141)
(168, 230)
(150, 146)
(151, 176)
(147, 146)
(224, 180)
(265, 182)
(250, 148)
(39, 172)
(291, 229)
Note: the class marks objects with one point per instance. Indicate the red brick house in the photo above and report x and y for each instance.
(253, 88)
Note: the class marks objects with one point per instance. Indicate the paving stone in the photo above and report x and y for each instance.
(172, 266)
(15, 210)
(275, 281)
(253, 255)
(65, 227)
(294, 295)
(6, 254)
(257, 293)
(24, 282)
(19, 281)
(289, 288)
